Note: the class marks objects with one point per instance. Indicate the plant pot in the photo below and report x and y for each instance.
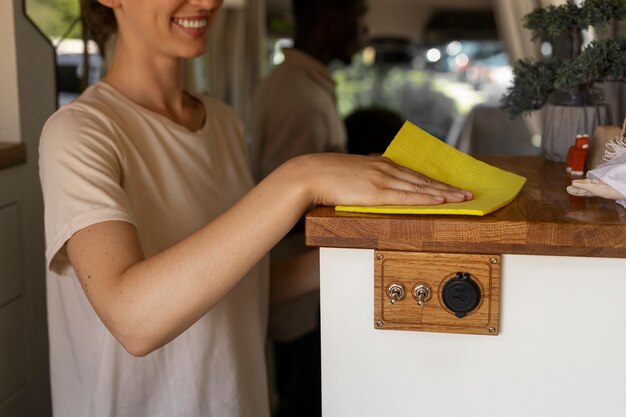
(562, 124)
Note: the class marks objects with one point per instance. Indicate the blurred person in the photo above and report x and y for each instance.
(371, 130)
(294, 113)
(157, 289)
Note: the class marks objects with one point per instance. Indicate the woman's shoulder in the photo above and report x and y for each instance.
(82, 120)
(91, 106)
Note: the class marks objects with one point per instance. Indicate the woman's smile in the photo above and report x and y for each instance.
(193, 25)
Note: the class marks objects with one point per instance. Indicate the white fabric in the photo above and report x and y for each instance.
(234, 4)
(517, 41)
(232, 66)
(613, 173)
(488, 130)
(516, 38)
(102, 158)
(294, 113)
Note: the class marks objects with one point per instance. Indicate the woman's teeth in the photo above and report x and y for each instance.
(191, 23)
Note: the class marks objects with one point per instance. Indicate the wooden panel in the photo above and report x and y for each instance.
(10, 275)
(13, 370)
(12, 154)
(543, 220)
(434, 270)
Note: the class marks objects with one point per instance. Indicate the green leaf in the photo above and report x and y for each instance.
(601, 60)
(533, 83)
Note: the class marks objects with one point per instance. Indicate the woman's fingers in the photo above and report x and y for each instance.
(394, 197)
(448, 195)
(403, 178)
(340, 179)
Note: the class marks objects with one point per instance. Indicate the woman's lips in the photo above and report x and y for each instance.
(194, 26)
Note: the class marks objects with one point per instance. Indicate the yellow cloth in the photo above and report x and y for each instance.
(414, 148)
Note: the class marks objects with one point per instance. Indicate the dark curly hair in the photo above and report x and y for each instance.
(99, 19)
(312, 8)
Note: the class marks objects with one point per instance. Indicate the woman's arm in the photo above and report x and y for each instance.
(294, 277)
(147, 302)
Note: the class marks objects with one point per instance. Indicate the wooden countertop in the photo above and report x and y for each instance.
(543, 220)
(12, 154)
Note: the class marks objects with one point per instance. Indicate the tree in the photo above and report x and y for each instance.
(56, 17)
(602, 60)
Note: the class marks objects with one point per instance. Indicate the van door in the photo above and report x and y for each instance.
(27, 98)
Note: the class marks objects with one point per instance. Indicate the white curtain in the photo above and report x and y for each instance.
(232, 65)
(517, 39)
(555, 2)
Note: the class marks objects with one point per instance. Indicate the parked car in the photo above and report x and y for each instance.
(458, 56)
(492, 75)
(462, 55)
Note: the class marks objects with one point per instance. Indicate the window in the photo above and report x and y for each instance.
(60, 21)
(430, 85)
(434, 83)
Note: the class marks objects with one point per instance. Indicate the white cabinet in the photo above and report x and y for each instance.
(560, 350)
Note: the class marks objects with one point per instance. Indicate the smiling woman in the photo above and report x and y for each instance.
(156, 237)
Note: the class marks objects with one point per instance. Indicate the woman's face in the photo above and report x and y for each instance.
(174, 28)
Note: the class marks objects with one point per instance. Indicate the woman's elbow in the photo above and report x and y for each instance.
(139, 341)
(137, 348)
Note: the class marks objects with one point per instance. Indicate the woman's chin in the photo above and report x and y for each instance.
(193, 52)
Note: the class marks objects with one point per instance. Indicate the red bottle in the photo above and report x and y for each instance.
(577, 154)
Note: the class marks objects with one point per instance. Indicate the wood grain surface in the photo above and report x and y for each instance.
(12, 154)
(543, 220)
(434, 270)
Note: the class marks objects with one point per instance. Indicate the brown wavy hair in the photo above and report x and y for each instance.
(99, 19)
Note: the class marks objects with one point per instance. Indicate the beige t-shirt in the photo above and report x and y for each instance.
(103, 158)
(294, 113)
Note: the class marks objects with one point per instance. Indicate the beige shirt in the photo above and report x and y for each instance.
(103, 158)
(294, 113)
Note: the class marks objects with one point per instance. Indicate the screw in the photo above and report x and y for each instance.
(379, 323)
(493, 260)
(380, 256)
(492, 329)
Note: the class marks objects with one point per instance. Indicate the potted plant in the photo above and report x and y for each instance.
(567, 82)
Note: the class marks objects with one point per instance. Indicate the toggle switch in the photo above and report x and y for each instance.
(395, 292)
(421, 293)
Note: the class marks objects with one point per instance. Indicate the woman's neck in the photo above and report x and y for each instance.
(155, 83)
(149, 80)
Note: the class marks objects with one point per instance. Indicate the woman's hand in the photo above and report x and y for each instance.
(340, 179)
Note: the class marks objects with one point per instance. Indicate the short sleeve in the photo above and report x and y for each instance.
(81, 175)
